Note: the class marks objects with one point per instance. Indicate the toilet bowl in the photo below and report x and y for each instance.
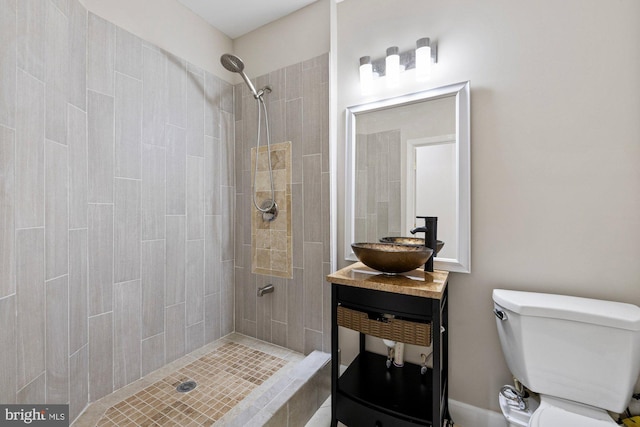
(558, 413)
(580, 355)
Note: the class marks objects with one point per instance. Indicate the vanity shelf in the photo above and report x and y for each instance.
(368, 393)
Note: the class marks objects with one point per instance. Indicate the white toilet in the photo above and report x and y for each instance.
(582, 356)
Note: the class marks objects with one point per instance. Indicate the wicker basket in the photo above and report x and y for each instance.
(392, 329)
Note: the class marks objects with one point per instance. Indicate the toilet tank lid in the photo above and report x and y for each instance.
(606, 313)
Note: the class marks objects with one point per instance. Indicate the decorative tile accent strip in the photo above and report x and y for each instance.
(271, 242)
(224, 377)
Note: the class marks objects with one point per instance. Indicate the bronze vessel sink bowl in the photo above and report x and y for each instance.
(411, 241)
(391, 258)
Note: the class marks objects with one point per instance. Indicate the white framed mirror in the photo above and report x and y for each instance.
(409, 156)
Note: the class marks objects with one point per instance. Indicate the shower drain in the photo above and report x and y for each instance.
(186, 386)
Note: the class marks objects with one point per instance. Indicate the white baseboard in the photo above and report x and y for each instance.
(465, 415)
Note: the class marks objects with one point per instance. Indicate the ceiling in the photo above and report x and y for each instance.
(238, 17)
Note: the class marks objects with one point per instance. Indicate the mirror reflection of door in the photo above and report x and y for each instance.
(431, 186)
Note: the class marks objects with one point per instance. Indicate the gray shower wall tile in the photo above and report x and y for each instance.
(176, 91)
(8, 357)
(293, 81)
(29, 171)
(62, 5)
(56, 65)
(312, 341)
(212, 318)
(212, 205)
(153, 275)
(77, 65)
(212, 254)
(297, 225)
(78, 169)
(228, 223)
(279, 299)
(152, 353)
(176, 170)
(195, 336)
(195, 114)
(101, 47)
(227, 149)
(78, 289)
(295, 314)
(195, 282)
(7, 215)
(31, 36)
(128, 126)
(154, 96)
(277, 81)
(100, 355)
(128, 54)
(30, 311)
(195, 197)
(294, 134)
(315, 110)
(325, 211)
(100, 258)
(153, 191)
(126, 333)
(100, 147)
(175, 340)
(126, 230)
(56, 210)
(212, 100)
(57, 339)
(79, 377)
(227, 297)
(176, 265)
(312, 195)
(35, 391)
(8, 62)
(326, 309)
(277, 121)
(313, 281)
(227, 97)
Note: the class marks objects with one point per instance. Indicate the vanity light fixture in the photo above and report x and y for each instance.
(395, 62)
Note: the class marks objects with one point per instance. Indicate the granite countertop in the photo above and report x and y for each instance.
(418, 283)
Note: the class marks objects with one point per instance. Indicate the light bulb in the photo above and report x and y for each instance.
(423, 59)
(392, 66)
(366, 75)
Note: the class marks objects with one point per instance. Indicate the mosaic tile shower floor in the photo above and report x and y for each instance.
(224, 378)
(228, 375)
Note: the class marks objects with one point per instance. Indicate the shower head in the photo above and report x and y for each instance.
(235, 65)
(232, 63)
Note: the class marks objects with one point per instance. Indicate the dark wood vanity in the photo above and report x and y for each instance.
(368, 393)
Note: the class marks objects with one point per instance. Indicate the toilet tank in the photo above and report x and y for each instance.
(579, 349)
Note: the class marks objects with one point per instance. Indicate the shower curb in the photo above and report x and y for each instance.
(293, 399)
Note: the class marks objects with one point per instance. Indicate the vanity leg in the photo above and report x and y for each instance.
(436, 399)
(335, 360)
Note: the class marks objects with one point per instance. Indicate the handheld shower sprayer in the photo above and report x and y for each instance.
(235, 65)
(268, 208)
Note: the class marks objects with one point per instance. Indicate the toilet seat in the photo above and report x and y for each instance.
(553, 416)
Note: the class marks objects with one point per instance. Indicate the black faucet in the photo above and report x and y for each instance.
(430, 229)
